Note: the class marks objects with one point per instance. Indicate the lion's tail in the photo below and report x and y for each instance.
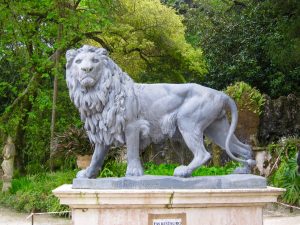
(234, 119)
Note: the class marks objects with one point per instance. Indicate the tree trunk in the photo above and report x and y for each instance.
(21, 158)
(55, 83)
(216, 155)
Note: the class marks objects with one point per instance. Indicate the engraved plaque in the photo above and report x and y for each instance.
(167, 219)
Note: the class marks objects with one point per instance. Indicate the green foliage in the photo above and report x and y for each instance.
(285, 148)
(168, 169)
(148, 41)
(146, 38)
(34, 193)
(162, 169)
(286, 175)
(113, 169)
(216, 170)
(246, 97)
(252, 41)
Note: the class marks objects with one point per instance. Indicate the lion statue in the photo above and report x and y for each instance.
(117, 111)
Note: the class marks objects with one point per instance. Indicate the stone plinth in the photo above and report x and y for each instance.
(167, 206)
(235, 181)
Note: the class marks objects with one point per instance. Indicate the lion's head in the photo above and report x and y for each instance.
(86, 64)
(97, 87)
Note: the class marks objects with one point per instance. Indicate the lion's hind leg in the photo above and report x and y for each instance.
(194, 141)
(217, 132)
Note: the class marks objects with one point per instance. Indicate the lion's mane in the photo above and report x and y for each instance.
(102, 107)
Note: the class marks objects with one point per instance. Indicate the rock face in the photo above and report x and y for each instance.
(281, 118)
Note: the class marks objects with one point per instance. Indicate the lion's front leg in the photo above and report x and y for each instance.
(93, 169)
(134, 166)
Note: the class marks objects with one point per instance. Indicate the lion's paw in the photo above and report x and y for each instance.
(242, 170)
(84, 174)
(182, 171)
(134, 171)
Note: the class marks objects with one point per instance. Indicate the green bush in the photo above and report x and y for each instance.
(285, 148)
(286, 175)
(113, 169)
(34, 193)
(247, 98)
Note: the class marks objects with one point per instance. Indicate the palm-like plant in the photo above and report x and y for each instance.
(73, 141)
(287, 177)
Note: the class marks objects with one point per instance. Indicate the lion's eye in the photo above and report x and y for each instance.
(94, 60)
(78, 61)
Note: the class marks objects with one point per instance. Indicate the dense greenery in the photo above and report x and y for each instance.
(34, 192)
(247, 40)
(284, 173)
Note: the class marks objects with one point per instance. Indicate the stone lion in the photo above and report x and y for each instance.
(117, 111)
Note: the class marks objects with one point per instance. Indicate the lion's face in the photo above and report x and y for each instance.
(87, 66)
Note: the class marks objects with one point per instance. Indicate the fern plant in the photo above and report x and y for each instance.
(288, 178)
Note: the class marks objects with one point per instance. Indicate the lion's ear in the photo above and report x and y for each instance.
(70, 55)
(102, 51)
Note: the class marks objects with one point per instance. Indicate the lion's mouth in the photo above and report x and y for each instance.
(87, 81)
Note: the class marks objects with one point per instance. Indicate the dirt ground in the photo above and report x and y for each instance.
(273, 215)
(11, 217)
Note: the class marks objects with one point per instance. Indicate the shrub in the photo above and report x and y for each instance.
(34, 193)
(288, 178)
(284, 160)
(113, 169)
(247, 98)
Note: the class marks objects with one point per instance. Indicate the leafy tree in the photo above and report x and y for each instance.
(253, 41)
(144, 37)
(147, 39)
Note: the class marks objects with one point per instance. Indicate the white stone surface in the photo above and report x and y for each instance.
(201, 206)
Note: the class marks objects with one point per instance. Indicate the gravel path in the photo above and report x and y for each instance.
(10, 217)
(282, 220)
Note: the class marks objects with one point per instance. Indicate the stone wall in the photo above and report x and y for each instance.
(280, 118)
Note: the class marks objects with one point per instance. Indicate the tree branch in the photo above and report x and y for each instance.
(77, 4)
(99, 40)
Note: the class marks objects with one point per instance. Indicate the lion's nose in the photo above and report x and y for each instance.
(87, 69)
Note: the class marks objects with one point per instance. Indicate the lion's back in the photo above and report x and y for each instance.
(171, 96)
(162, 104)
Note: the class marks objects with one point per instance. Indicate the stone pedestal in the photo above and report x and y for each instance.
(167, 206)
(6, 185)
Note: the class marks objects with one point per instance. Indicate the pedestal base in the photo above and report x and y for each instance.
(168, 206)
(6, 185)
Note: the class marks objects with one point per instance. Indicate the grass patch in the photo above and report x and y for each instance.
(33, 193)
(168, 169)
